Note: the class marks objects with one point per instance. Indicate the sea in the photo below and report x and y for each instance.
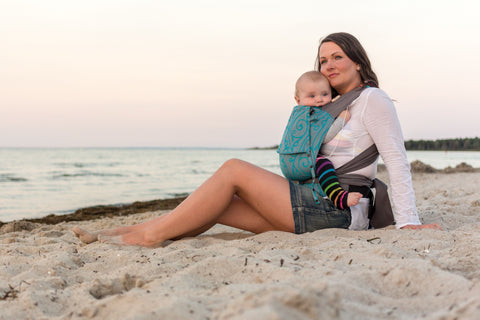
(35, 182)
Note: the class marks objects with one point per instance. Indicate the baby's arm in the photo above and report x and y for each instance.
(328, 180)
(337, 125)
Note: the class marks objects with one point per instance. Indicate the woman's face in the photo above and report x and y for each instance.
(340, 71)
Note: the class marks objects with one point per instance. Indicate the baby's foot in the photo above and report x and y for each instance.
(85, 236)
(353, 198)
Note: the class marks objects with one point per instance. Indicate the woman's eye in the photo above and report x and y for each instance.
(338, 57)
(323, 61)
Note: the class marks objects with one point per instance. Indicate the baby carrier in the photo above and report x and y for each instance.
(300, 145)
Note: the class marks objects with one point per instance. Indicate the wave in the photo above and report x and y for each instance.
(85, 164)
(86, 174)
(8, 177)
(178, 194)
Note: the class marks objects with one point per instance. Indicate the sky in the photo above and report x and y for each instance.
(220, 73)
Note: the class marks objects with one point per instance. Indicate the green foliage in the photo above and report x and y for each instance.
(459, 144)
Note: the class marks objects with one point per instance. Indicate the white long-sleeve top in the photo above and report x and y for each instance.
(374, 120)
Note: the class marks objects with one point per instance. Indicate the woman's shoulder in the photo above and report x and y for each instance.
(376, 96)
(375, 102)
(374, 92)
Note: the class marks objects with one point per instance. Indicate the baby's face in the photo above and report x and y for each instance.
(314, 93)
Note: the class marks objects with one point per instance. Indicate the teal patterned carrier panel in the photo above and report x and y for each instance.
(301, 141)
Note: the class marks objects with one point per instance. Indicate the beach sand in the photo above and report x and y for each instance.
(47, 273)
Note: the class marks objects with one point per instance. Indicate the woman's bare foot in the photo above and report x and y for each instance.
(89, 237)
(116, 240)
(353, 198)
(129, 239)
(85, 236)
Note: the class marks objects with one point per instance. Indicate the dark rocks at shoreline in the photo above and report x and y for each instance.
(462, 167)
(94, 212)
(420, 167)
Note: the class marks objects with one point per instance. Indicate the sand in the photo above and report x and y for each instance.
(47, 273)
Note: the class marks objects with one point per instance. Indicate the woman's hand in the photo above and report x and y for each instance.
(422, 226)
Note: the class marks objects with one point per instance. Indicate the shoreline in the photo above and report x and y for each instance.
(109, 211)
(103, 211)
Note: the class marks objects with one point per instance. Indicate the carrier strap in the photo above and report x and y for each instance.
(367, 157)
(381, 214)
(341, 103)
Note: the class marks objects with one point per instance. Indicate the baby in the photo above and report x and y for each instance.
(313, 89)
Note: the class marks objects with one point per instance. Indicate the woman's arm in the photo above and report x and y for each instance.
(382, 124)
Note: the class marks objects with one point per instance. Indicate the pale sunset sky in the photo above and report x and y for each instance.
(219, 73)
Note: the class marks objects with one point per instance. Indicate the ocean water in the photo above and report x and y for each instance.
(37, 182)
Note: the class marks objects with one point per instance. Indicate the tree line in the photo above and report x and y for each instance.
(459, 144)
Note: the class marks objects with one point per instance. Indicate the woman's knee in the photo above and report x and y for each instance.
(233, 166)
(234, 170)
(233, 163)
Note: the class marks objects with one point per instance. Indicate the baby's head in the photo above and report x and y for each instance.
(312, 89)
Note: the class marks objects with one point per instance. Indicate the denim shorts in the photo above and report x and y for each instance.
(308, 215)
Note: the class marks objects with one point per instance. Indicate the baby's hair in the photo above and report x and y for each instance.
(311, 76)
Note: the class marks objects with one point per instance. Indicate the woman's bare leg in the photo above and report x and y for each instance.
(92, 236)
(262, 203)
(88, 237)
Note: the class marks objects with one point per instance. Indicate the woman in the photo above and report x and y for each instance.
(342, 59)
(247, 197)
